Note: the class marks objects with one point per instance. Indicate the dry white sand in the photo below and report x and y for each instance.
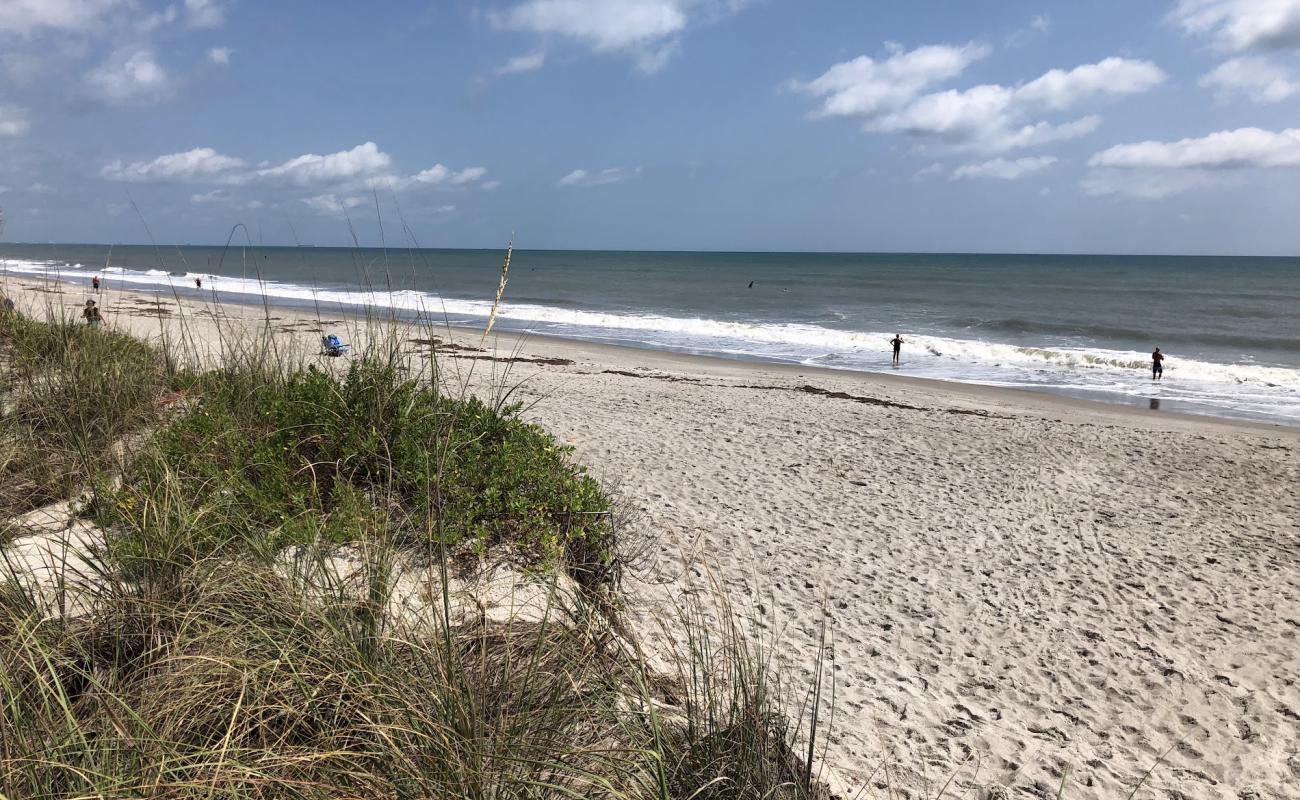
(1020, 590)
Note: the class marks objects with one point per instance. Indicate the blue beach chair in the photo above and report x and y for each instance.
(332, 347)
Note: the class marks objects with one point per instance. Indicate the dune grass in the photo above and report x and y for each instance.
(68, 394)
(206, 668)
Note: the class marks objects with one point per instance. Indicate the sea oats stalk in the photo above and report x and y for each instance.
(501, 288)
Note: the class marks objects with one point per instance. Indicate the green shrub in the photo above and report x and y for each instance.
(265, 464)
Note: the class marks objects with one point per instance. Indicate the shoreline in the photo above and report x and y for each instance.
(1027, 396)
(1043, 401)
(1016, 586)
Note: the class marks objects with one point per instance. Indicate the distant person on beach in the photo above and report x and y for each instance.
(1157, 365)
(198, 283)
(92, 314)
(94, 283)
(897, 342)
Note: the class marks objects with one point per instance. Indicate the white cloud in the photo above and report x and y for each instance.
(23, 17)
(1040, 133)
(220, 55)
(438, 175)
(865, 87)
(1259, 79)
(1152, 170)
(214, 196)
(347, 172)
(1240, 25)
(530, 62)
(364, 160)
(199, 164)
(332, 204)
(583, 178)
(645, 30)
(13, 121)
(606, 26)
(129, 76)
(982, 118)
(989, 118)
(1238, 149)
(205, 13)
(1058, 89)
(1003, 169)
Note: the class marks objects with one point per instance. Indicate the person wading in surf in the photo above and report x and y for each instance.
(897, 342)
(1157, 365)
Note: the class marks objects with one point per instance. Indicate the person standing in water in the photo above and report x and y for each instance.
(897, 342)
(1157, 365)
(198, 283)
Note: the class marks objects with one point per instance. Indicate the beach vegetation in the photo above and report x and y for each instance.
(70, 397)
(244, 623)
(318, 456)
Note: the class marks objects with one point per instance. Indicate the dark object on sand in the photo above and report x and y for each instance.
(332, 347)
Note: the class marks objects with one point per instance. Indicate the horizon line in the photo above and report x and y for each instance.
(666, 251)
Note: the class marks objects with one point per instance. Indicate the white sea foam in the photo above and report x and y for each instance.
(1256, 389)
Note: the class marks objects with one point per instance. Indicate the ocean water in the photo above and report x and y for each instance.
(1077, 325)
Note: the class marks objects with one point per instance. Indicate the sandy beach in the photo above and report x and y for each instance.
(1019, 591)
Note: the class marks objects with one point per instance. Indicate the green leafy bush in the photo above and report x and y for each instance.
(265, 464)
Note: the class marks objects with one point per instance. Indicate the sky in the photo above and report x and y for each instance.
(1160, 126)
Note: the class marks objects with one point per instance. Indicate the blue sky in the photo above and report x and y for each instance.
(1162, 126)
